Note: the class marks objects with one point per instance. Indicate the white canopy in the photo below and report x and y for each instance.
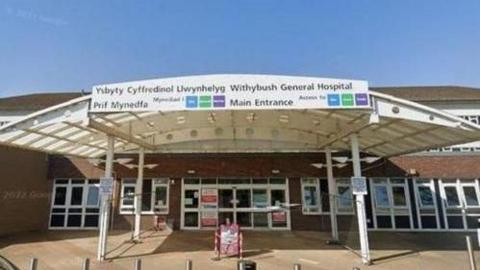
(391, 127)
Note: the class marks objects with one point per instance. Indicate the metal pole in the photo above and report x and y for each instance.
(189, 265)
(471, 257)
(138, 264)
(105, 203)
(332, 190)
(138, 193)
(33, 264)
(297, 266)
(86, 264)
(360, 202)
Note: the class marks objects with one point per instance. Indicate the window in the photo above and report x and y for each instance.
(93, 198)
(160, 200)
(426, 196)
(345, 197)
(452, 196)
(75, 204)
(154, 196)
(399, 198)
(310, 196)
(381, 196)
(470, 196)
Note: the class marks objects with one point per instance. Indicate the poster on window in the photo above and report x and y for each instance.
(209, 197)
(209, 219)
(279, 217)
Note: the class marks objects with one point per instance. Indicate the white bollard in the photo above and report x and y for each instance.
(189, 265)
(138, 264)
(33, 264)
(86, 264)
(297, 266)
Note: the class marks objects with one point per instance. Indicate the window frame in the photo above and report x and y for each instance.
(316, 185)
(155, 182)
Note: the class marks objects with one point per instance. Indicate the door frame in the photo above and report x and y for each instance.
(268, 186)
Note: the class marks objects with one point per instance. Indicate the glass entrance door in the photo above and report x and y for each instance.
(243, 201)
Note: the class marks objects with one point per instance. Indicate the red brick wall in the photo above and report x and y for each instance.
(293, 166)
(24, 191)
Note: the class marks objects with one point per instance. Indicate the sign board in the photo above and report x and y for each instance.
(229, 239)
(230, 92)
(106, 186)
(359, 186)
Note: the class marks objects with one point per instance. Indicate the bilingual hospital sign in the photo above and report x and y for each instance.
(230, 92)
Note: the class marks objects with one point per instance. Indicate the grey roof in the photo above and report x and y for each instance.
(34, 102)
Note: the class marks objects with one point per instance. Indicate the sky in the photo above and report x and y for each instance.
(48, 46)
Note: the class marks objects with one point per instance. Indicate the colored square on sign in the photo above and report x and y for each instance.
(218, 101)
(192, 102)
(361, 99)
(333, 100)
(347, 99)
(205, 101)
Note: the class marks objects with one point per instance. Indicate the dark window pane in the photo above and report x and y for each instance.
(77, 195)
(74, 221)
(191, 181)
(243, 198)
(57, 221)
(60, 196)
(244, 219)
(452, 196)
(225, 198)
(278, 197)
(191, 219)
(277, 181)
(399, 196)
(470, 196)
(147, 195)
(91, 221)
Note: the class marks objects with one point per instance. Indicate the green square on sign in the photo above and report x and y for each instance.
(347, 99)
(205, 101)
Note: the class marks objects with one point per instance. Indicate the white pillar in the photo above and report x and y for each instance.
(360, 202)
(138, 193)
(105, 203)
(332, 191)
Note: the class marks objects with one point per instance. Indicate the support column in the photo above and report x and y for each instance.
(332, 191)
(360, 202)
(105, 203)
(138, 194)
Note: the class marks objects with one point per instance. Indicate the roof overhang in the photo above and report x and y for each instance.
(392, 126)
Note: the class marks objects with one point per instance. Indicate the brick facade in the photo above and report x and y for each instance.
(24, 191)
(293, 166)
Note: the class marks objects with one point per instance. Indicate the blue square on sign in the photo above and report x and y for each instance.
(333, 99)
(192, 102)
